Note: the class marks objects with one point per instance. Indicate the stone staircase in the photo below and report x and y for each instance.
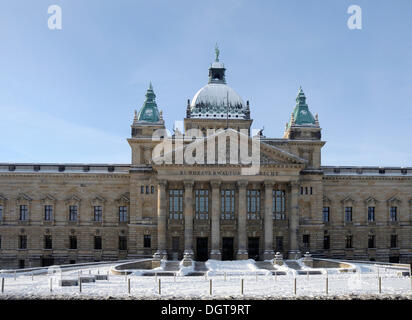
(172, 266)
(294, 265)
(200, 269)
(266, 265)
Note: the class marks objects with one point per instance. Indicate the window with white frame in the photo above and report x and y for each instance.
(227, 204)
(371, 214)
(24, 212)
(176, 204)
(73, 213)
(279, 204)
(202, 204)
(98, 213)
(326, 214)
(48, 212)
(393, 213)
(122, 214)
(253, 204)
(348, 214)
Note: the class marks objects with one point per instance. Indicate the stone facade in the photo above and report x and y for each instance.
(57, 214)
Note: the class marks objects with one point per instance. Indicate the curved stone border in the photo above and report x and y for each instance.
(130, 267)
(337, 264)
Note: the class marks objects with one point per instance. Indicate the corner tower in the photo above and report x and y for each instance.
(302, 125)
(145, 123)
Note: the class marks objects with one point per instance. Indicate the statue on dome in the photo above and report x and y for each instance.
(217, 52)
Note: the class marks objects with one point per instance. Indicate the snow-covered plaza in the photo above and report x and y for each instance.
(242, 279)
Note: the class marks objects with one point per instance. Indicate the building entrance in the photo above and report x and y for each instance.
(253, 248)
(202, 252)
(227, 249)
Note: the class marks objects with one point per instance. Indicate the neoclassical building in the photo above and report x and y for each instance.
(175, 200)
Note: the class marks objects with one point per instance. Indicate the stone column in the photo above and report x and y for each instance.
(188, 253)
(268, 221)
(161, 220)
(294, 252)
(215, 252)
(241, 227)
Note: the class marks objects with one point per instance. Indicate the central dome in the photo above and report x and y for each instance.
(213, 100)
(217, 100)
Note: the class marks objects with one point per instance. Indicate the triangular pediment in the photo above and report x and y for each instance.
(393, 200)
(73, 199)
(347, 199)
(97, 200)
(23, 197)
(48, 197)
(240, 152)
(326, 199)
(371, 199)
(124, 198)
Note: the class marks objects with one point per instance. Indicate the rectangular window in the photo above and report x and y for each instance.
(371, 214)
(1, 213)
(306, 241)
(279, 204)
(48, 242)
(147, 189)
(227, 204)
(348, 214)
(371, 241)
(325, 214)
(73, 213)
(98, 213)
(22, 242)
(348, 241)
(48, 213)
(122, 214)
(141, 189)
(122, 243)
(97, 243)
(147, 241)
(152, 189)
(253, 204)
(176, 204)
(73, 242)
(279, 244)
(393, 213)
(326, 242)
(24, 213)
(0, 242)
(202, 204)
(21, 264)
(394, 241)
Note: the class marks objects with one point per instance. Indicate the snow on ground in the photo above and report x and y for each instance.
(237, 267)
(258, 283)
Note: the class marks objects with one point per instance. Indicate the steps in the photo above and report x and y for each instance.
(200, 269)
(293, 264)
(267, 265)
(172, 266)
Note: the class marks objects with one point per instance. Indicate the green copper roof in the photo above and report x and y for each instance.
(149, 111)
(301, 113)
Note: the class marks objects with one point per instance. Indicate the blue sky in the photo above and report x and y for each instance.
(68, 95)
